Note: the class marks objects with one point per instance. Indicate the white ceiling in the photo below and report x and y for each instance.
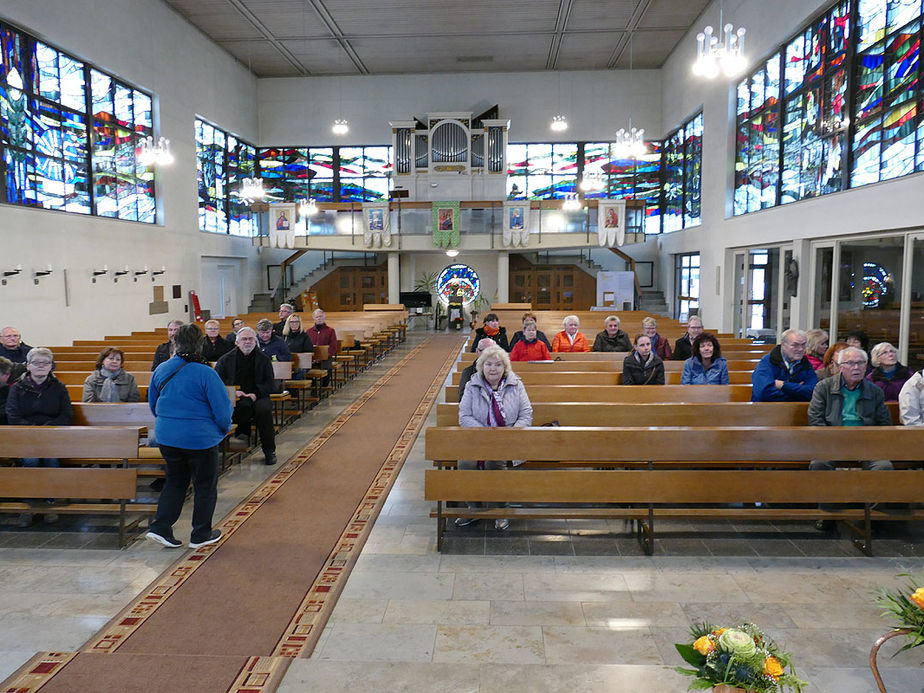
(290, 38)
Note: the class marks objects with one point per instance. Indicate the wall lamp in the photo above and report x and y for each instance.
(120, 273)
(16, 270)
(38, 274)
(157, 273)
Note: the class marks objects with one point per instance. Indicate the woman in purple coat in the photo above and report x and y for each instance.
(887, 372)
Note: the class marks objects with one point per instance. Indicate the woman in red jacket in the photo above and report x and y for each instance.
(530, 348)
(569, 339)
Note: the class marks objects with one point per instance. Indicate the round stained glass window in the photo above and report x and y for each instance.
(877, 283)
(458, 278)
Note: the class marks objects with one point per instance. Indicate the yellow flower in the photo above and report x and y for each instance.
(704, 645)
(772, 667)
(918, 597)
(718, 631)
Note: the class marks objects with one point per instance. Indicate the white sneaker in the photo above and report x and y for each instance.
(464, 521)
(502, 524)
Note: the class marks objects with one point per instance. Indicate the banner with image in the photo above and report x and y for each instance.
(446, 223)
(611, 222)
(516, 223)
(376, 225)
(282, 225)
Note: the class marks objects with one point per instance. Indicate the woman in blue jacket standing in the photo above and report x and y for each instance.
(192, 413)
(706, 366)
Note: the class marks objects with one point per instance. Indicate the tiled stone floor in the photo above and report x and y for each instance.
(546, 606)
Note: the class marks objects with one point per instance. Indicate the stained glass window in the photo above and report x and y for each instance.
(758, 129)
(223, 160)
(458, 278)
(57, 154)
(542, 170)
(887, 111)
(357, 174)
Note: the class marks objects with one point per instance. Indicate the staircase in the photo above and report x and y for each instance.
(262, 302)
(653, 302)
(585, 263)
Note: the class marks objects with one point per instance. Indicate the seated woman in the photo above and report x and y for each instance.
(296, 338)
(911, 400)
(213, 345)
(887, 372)
(518, 335)
(38, 399)
(643, 366)
(495, 396)
(109, 382)
(660, 346)
(530, 347)
(569, 339)
(492, 330)
(815, 347)
(829, 365)
(706, 366)
(612, 338)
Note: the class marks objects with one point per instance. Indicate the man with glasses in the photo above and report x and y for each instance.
(11, 345)
(236, 326)
(848, 399)
(784, 375)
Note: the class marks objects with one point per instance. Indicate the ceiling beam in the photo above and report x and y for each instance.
(640, 9)
(268, 35)
(564, 12)
(337, 34)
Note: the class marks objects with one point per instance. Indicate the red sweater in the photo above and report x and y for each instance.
(324, 335)
(537, 351)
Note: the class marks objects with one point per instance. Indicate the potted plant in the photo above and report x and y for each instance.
(427, 282)
(907, 608)
(736, 660)
(479, 304)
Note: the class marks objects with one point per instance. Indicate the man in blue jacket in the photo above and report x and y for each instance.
(784, 375)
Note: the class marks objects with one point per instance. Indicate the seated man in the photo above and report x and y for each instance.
(321, 333)
(251, 371)
(848, 399)
(165, 350)
(236, 325)
(683, 347)
(285, 310)
(11, 346)
(213, 346)
(272, 345)
(469, 370)
(784, 375)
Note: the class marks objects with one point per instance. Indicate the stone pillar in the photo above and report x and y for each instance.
(408, 270)
(394, 278)
(503, 277)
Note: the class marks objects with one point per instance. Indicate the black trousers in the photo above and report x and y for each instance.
(246, 412)
(200, 466)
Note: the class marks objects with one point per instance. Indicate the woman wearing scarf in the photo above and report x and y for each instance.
(492, 330)
(643, 366)
(109, 382)
(659, 345)
(887, 372)
(569, 339)
(495, 396)
(192, 415)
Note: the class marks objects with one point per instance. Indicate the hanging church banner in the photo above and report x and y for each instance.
(516, 223)
(446, 222)
(611, 222)
(282, 225)
(376, 225)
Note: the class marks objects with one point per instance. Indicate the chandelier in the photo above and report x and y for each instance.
(151, 154)
(341, 126)
(252, 189)
(629, 144)
(559, 123)
(592, 182)
(307, 208)
(714, 57)
(571, 203)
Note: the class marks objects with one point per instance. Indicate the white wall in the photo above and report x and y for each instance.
(150, 46)
(891, 205)
(301, 110)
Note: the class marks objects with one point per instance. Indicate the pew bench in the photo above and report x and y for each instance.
(627, 393)
(642, 495)
(76, 490)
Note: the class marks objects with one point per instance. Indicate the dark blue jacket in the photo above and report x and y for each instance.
(17, 355)
(275, 349)
(47, 404)
(192, 410)
(797, 386)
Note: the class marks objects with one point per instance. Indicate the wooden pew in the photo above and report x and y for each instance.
(782, 494)
(93, 490)
(598, 366)
(731, 355)
(661, 414)
(603, 378)
(629, 393)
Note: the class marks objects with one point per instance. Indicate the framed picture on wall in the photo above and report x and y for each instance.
(282, 225)
(611, 222)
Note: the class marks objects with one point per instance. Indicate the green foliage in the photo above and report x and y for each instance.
(908, 614)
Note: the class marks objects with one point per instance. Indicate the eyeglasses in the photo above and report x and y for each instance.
(41, 364)
(853, 364)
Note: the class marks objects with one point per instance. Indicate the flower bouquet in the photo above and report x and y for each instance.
(906, 607)
(736, 659)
